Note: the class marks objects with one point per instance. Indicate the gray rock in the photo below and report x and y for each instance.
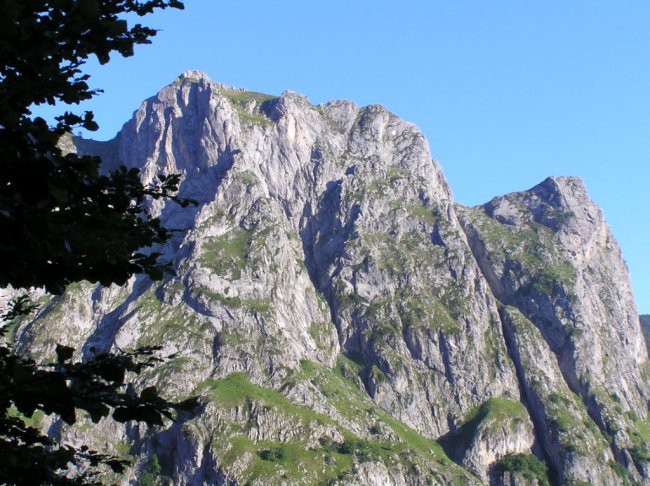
(645, 329)
(337, 313)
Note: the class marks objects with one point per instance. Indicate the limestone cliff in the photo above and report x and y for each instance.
(645, 328)
(344, 321)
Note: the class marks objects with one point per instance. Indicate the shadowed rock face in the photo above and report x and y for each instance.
(338, 313)
(645, 329)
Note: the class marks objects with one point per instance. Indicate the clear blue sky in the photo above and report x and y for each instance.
(507, 92)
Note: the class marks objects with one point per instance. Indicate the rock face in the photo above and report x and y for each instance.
(645, 328)
(338, 314)
(551, 261)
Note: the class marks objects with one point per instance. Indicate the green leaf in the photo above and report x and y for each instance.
(150, 393)
(63, 353)
(88, 9)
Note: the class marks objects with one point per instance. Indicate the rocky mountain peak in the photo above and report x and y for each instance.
(342, 320)
(553, 202)
(194, 74)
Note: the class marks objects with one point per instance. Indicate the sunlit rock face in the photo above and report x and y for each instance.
(344, 321)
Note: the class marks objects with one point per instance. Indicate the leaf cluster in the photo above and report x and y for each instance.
(65, 222)
(98, 387)
(29, 457)
(61, 219)
(44, 43)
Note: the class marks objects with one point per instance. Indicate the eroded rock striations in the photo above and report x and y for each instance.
(344, 321)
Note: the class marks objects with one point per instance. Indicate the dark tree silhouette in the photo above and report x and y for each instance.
(97, 387)
(62, 220)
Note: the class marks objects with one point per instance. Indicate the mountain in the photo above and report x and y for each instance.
(645, 328)
(345, 322)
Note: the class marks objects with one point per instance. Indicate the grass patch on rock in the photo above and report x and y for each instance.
(525, 466)
(248, 105)
(228, 254)
(494, 414)
(297, 457)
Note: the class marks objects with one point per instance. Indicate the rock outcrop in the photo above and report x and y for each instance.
(645, 328)
(338, 314)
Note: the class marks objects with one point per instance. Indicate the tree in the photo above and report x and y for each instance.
(97, 387)
(63, 220)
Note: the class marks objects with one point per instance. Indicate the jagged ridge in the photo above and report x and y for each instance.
(338, 312)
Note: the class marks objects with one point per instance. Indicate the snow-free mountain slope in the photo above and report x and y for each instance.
(343, 320)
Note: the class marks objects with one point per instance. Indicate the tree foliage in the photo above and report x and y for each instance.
(97, 387)
(63, 220)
